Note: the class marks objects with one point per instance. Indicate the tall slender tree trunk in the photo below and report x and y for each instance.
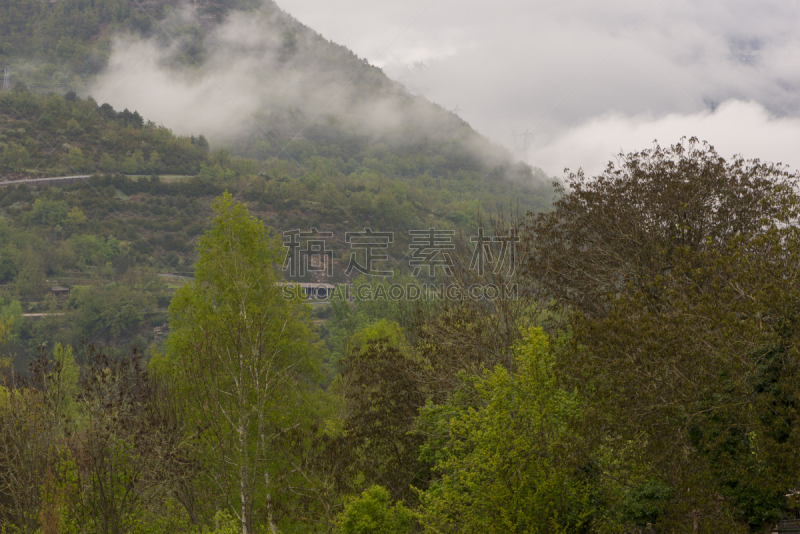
(243, 477)
(272, 527)
(242, 446)
(243, 497)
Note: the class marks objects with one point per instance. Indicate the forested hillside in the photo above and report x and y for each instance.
(91, 237)
(304, 95)
(337, 176)
(643, 379)
(55, 135)
(58, 46)
(616, 354)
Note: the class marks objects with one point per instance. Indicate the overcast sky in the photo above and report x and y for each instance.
(589, 78)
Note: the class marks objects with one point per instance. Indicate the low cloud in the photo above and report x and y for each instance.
(640, 70)
(735, 127)
(586, 80)
(248, 71)
(266, 76)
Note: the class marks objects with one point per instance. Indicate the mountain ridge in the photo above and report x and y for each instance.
(282, 74)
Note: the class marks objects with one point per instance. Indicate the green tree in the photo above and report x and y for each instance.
(47, 212)
(15, 156)
(373, 513)
(33, 413)
(11, 312)
(155, 164)
(77, 161)
(30, 269)
(617, 232)
(75, 218)
(91, 249)
(129, 166)
(107, 163)
(28, 439)
(63, 385)
(8, 271)
(138, 156)
(73, 127)
(129, 452)
(499, 448)
(242, 353)
(383, 392)
(697, 376)
(108, 311)
(678, 271)
(352, 317)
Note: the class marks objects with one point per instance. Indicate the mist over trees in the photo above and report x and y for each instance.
(258, 75)
(638, 374)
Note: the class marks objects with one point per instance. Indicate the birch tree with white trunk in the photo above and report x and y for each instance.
(242, 352)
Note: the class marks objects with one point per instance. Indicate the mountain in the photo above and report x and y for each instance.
(246, 74)
(200, 99)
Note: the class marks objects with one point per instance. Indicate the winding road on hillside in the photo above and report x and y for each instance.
(75, 177)
(53, 179)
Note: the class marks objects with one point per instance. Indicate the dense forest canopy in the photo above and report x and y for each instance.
(617, 354)
(346, 170)
(645, 379)
(92, 236)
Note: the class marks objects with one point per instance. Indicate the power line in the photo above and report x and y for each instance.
(524, 149)
(6, 79)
